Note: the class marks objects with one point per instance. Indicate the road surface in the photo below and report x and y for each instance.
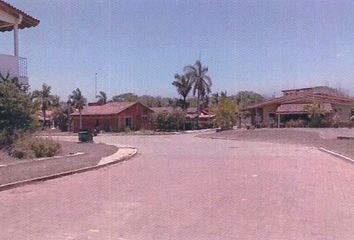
(184, 187)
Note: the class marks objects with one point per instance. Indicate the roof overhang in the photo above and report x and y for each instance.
(303, 98)
(26, 22)
(295, 109)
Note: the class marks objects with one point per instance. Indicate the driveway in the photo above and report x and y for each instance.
(184, 187)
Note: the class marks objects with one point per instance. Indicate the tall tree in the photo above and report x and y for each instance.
(44, 99)
(102, 97)
(16, 111)
(244, 98)
(125, 97)
(61, 116)
(226, 114)
(183, 86)
(201, 82)
(78, 101)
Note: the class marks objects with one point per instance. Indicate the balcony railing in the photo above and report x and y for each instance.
(22, 67)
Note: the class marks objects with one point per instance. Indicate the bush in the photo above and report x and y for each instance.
(44, 148)
(226, 114)
(166, 121)
(6, 138)
(16, 111)
(34, 148)
(299, 123)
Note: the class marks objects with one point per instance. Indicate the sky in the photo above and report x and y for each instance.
(139, 45)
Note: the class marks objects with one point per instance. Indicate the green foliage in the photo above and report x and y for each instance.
(166, 121)
(102, 97)
(16, 112)
(44, 99)
(61, 116)
(28, 147)
(201, 82)
(78, 101)
(125, 97)
(147, 100)
(316, 114)
(183, 86)
(226, 114)
(244, 98)
(299, 123)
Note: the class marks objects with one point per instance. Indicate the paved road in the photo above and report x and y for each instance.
(182, 187)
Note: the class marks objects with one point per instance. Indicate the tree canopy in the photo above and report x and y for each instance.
(16, 110)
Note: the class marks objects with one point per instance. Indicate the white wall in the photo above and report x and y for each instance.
(9, 64)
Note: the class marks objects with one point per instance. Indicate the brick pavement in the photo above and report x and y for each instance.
(181, 187)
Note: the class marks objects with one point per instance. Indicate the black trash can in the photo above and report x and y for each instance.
(85, 136)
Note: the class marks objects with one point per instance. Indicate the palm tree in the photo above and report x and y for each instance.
(78, 101)
(183, 86)
(201, 82)
(102, 97)
(44, 98)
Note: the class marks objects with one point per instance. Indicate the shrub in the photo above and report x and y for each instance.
(295, 123)
(166, 121)
(6, 137)
(226, 114)
(44, 148)
(16, 111)
(34, 147)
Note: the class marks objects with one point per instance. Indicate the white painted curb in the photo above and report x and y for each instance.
(336, 154)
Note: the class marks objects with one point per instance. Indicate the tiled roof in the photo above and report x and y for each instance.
(304, 98)
(301, 108)
(27, 20)
(107, 109)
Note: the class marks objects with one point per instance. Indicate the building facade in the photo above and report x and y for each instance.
(113, 117)
(13, 19)
(293, 105)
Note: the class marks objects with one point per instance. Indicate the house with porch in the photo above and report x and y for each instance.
(293, 105)
(13, 19)
(113, 117)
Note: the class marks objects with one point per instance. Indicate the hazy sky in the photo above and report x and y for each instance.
(138, 46)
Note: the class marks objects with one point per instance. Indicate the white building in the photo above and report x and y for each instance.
(13, 19)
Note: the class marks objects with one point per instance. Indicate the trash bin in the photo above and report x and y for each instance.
(85, 136)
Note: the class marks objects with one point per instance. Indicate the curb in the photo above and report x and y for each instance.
(67, 173)
(348, 159)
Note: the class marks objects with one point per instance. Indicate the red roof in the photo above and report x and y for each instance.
(305, 98)
(110, 108)
(27, 20)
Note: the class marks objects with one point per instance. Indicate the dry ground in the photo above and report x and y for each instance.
(13, 169)
(308, 137)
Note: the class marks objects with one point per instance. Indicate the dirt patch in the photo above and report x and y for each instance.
(288, 136)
